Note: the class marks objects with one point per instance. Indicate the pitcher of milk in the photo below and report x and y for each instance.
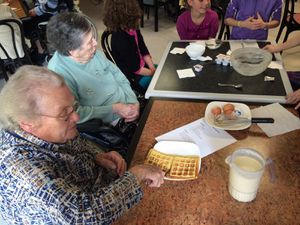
(246, 169)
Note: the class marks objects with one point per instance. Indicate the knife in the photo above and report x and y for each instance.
(244, 120)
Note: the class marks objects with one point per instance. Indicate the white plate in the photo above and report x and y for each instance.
(240, 108)
(178, 148)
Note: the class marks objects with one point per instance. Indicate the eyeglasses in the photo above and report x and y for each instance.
(66, 113)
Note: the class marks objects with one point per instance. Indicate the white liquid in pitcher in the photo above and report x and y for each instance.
(242, 187)
(247, 163)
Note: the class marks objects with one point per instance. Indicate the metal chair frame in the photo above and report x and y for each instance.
(9, 63)
(288, 20)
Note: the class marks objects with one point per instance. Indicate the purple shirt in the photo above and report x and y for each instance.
(188, 30)
(243, 9)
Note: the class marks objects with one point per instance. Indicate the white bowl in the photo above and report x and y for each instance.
(250, 61)
(195, 50)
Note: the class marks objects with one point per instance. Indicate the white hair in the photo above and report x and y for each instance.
(20, 97)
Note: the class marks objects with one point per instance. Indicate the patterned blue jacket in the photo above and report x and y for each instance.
(44, 183)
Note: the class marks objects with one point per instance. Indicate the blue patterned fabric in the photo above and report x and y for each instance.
(44, 183)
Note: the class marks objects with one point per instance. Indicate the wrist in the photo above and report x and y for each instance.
(152, 70)
(239, 23)
(266, 26)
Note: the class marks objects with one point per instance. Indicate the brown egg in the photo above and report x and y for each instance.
(229, 113)
(228, 106)
(216, 111)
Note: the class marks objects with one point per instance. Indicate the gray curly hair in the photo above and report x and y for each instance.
(21, 95)
(65, 31)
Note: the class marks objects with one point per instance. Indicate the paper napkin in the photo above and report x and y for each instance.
(284, 121)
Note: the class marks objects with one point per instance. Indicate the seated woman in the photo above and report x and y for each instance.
(198, 23)
(252, 19)
(98, 85)
(128, 47)
(293, 41)
(42, 11)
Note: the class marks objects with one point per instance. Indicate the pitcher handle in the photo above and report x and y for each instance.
(271, 167)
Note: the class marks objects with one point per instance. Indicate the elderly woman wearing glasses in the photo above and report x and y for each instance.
(98, 85)
(49, 173)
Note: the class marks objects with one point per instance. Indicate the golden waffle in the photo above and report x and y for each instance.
(185, 167)
(176, 167)
(159, 159)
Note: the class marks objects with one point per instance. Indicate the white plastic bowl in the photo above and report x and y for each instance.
(250, 61)
(195, 50)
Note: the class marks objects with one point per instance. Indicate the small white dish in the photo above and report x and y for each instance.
(194, 50)
(213, 44)
(241, 110)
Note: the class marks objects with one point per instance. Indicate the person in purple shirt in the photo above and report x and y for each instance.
(198, 23)
(252, 19)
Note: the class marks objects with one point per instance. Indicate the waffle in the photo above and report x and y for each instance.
(176, 167)
(185, 167)
(159, 159)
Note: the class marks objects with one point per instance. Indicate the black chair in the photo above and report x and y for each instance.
(220, 8)
(156, 4)
(105, 44)
(106, 47)
(14, 51)
(290, 20)
(224, 30)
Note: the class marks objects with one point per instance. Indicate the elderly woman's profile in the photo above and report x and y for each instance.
(99, 86)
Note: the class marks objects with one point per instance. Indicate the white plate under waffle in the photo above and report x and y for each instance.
(241, 109)
(180, 148)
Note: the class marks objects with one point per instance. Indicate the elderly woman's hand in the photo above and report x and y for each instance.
(112, 160)
(32, 13)
(129, 112)
(135, 112)
(294, 98)
(151, 175)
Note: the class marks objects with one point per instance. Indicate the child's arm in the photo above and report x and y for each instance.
(240, 23)
(145, 71)
(293, 41)
(259, 23)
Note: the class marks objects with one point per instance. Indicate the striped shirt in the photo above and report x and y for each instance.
(45, 183)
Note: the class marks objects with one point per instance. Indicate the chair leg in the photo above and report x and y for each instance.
(142, 17)
(4, 73)
(156, 16)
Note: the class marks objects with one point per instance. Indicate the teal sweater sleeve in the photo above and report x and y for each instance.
(96, 85)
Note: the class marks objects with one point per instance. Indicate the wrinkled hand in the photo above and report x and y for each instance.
(258, 23)
(112, 160)
(271, 48)
(151, 175)
(129, 112)
(32, 13)
(294, 98)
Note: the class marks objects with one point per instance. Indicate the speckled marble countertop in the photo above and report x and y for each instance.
(207, 200)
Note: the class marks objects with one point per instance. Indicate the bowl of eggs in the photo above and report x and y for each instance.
(195, 50)
(250, 61)
(216, 111)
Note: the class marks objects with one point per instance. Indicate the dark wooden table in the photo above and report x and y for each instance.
(207, 200)
(166, 82)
